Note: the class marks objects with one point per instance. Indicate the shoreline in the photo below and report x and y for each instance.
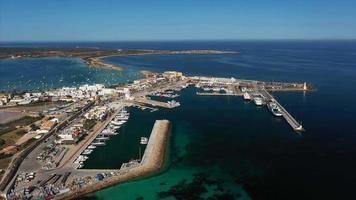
(152, 162)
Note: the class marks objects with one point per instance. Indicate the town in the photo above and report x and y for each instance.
(64, 126)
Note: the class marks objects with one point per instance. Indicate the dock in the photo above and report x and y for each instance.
(215, 94)
(286, 115)
(154, 103)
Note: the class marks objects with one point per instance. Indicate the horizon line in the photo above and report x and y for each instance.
(180, 40)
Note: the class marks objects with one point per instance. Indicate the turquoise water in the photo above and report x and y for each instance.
(55, 72)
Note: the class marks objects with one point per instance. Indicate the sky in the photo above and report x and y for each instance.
(134, 20)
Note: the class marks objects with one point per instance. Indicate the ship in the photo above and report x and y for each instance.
(258, 101)
(247, 96)
(274, 108)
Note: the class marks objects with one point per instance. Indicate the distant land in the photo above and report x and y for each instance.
(91, 56)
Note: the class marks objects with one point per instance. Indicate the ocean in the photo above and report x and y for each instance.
(225, 148)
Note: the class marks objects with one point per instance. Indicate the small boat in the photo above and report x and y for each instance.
(91, 147)
(98, 143)
(87, 151)
(102, 138)
(144, 140)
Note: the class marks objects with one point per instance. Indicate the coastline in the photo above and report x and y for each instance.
(152, 162)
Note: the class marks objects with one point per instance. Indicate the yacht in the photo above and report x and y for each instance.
(258, 101)
(91, 147)
(99, 138)
(87, 151)
(274, 108)
(98, 143)
(247, 96)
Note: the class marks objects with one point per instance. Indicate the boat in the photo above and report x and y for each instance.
(258, 101)
(98, 143)
(115, 127)
(144, 140)
(91, 147)
(102, 138)
(87, 151)
(274, 108)
(247, 96)
(118, 123)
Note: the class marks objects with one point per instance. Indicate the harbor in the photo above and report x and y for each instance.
(73, 145)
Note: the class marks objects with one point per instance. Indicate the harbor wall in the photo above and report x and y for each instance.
(152, 162)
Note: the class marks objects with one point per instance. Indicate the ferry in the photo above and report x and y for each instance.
(247, 96)
(273, 107)
(258, 101)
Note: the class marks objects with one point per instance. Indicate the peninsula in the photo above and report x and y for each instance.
(92, 56)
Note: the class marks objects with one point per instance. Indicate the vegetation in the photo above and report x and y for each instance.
(20, 132)
(89, 124)
(5, 155)
(2, 142)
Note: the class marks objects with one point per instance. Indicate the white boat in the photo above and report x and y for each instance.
(118, 123)
(91, 147)
(98, 143)
(144, 140)
(247, 96)
(87, 151)
(274, 108)
(258, 101)
(102, 138)
(115, 127)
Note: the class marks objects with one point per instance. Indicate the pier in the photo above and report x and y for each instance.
(154, 103)
(288, 117)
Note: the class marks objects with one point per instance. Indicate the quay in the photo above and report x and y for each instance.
(154, 103)
(215, 94)
(152, 162)
(286, 115)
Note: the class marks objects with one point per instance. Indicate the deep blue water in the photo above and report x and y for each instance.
(245, 144)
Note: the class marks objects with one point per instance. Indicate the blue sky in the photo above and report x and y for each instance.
(109, 20)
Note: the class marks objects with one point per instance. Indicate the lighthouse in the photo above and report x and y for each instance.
(305, 86)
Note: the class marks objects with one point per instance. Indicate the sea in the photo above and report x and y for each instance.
(224, 147)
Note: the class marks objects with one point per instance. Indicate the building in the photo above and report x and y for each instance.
(173, 75)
